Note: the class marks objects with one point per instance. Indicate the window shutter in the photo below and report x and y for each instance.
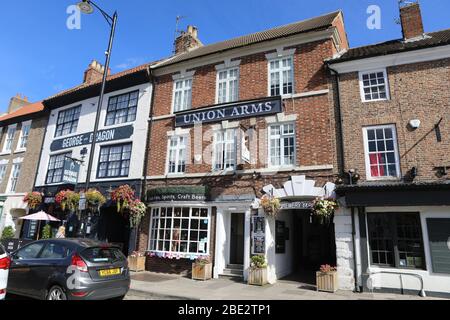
(439, 237)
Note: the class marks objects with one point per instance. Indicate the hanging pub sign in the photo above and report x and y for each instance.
(71, 170)
(239, 110)
(86, 138)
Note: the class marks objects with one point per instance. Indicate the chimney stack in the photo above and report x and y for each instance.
(17, 102)
(187, 40)
(411, 20)
(94, 73)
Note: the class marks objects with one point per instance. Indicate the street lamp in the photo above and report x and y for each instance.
(87, 7)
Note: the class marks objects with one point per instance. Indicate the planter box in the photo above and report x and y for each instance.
(257, 277)
(201, 271)
(136, 264)
(327, 282)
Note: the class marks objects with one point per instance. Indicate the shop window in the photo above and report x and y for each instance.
(282, 145)
(122, 108)
(224, 150)
(381, 153)
(179, 230)
(67, 122)
(56, 168)
(182, 95)
(228, 85)
(114, 161)
(395, 240)
(177, 154)
(439, 241)
(281, 76)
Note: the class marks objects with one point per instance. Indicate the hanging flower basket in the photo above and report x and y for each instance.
(324, 209)
(270, 205)
(33, 199)
(68, 199)
(123, 196)
(137, 210)
(94, 198)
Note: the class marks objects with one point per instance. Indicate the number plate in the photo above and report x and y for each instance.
(109, 272)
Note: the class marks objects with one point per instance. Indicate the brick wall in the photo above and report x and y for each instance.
(418, 91)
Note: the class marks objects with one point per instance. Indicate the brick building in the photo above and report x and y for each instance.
(22, 131)
(393, 231)
(232, 121)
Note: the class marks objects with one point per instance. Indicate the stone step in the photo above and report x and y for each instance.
(235, 266)
(232, 273)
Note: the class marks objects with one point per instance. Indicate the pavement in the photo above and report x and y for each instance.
(156, 286)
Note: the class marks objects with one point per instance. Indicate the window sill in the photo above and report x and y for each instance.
(392, 179)
(20, 151)
(377, 100)
(5, 153)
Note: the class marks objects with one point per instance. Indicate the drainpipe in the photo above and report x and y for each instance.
(355, 264)
(147, 146)
(339, 122)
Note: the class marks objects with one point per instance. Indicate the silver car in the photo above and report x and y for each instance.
(69, 269)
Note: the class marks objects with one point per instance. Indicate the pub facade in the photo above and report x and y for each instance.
(119, 153)
(230, 122)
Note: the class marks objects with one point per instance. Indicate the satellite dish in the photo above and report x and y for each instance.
(85, 7)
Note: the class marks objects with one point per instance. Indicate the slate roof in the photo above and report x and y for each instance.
(432, 39)
(313, 24)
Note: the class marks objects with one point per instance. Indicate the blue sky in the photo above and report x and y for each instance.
(40, 56)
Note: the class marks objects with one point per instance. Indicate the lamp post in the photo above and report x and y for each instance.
(87, 7)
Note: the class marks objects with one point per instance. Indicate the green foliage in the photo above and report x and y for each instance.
(47, 232)
(258, 262)
(8, 233)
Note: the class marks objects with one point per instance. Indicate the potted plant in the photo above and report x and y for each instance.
(47, 232)
(258, 271)
(94, 198)
(122, 196)
(8, 233)
(202, 269)
(326, 279)
(323, 210)
(33, 199)
(270, 205)
(136, 261)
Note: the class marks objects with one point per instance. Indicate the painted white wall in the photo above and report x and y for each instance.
(279, 265)
(11, 203)
(344, 248)
(86, 124)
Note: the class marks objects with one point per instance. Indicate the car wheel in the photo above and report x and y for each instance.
(56, 293)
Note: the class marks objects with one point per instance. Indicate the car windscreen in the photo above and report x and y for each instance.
(102, 255)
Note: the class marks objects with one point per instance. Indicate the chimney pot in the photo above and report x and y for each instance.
(94, 72)
(411, 20)
(187, 41)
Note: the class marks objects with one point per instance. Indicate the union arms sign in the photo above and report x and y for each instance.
(245, 109)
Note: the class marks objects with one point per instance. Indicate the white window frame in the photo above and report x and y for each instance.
(177, 153)
(152, 218)
(12, 179)
(12, 128)
(225, 142)
(3, 168)
(183, 91)
(269, 141)
(280, 72)
(367, 155)
(20, 148)
(361, 84)
(227, 82)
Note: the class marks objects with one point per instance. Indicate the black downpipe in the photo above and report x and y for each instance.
(355, 264)
(342, 167)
